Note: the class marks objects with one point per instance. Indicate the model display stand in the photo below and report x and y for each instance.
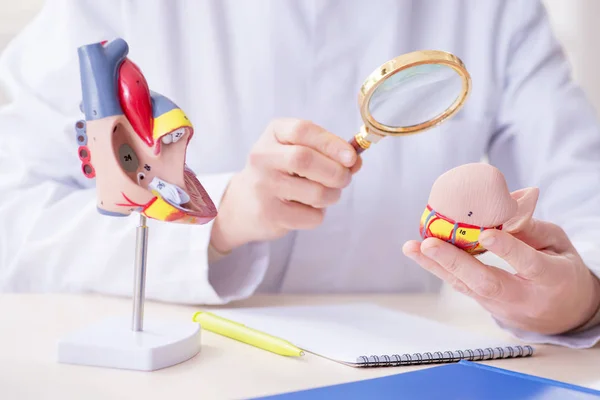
(133, 142)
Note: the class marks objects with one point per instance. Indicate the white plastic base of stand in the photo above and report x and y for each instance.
(111, 343)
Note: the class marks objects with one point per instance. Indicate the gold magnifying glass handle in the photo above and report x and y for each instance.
(359, 143)
(363, 140)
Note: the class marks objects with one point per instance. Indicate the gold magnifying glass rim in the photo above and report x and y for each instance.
(402, 62)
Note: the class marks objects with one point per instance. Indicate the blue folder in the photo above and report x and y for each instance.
(464, 380)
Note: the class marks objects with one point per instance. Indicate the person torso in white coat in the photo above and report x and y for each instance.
(235, 65)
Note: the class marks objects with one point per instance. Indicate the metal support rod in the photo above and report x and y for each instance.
(139, 278)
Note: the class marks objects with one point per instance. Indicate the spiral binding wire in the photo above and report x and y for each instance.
(438, 357)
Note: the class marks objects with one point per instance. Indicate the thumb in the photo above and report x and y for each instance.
(526, 201)
(543, 235)
(537, 234)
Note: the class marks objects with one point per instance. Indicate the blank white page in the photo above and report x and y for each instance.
(346, 332)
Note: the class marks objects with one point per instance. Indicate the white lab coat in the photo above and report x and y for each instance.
(235, 65)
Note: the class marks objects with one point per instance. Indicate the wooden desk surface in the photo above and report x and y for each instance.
(225, 369)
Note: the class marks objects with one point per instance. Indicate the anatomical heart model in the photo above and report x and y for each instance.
(471, 198)
(133, 143)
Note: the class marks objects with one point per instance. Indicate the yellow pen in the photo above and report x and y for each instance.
(242, 333)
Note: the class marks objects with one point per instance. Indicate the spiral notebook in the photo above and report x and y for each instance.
(368, 335)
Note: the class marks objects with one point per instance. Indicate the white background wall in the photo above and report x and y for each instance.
(575, 22)
(577, 26)
(14, 14)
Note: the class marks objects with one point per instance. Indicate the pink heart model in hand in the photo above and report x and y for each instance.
(471, 198)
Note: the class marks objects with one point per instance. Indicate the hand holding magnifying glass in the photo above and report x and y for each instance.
(410, 94)
(296, 169)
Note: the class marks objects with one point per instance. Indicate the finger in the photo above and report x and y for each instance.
(305, 191)
(307, 134)
(542, 235)
(486, 281)
(529, 263)
(301, 161)
(412, 249)
(309, 163)
(294, 216)
(357, 166)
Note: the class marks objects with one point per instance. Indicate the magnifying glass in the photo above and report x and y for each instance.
(410, 94)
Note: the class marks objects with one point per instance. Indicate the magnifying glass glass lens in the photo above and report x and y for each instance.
(415, 95)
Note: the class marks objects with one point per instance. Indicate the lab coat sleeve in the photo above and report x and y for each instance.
(549, 137)
(52, 239)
